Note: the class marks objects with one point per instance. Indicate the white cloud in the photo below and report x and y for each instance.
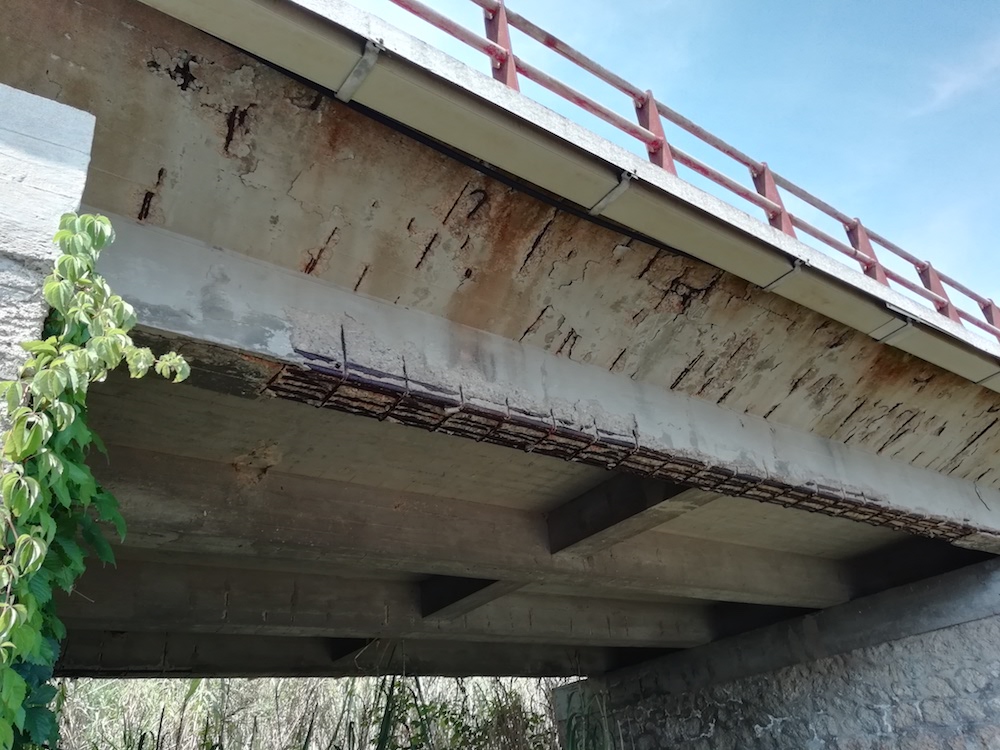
(953, 81)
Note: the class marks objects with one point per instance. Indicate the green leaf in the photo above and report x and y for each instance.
(8, 619)
(62, 413)
(107, 510)
(86, 485)
(41, 695)
(40, 725)
(40, 586)
(11, 394)
(73, 267)
(26, 435)
(57, 627)
(61, 491)
(139, 359)
(29, 553)
(73, 553)
(49, 383)
(41, 347)
(59, 294)
(20, 494)
(49, 465)
(93, 536)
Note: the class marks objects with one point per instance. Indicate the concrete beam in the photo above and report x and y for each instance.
(90, 653)
(199, 507)
(365, 356)
(140, 596)
(454, 596)
(618, 510)
(961, 596)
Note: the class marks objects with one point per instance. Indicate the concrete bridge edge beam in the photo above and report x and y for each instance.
(183, 287)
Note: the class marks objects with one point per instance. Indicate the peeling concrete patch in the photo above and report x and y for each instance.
(181, 68)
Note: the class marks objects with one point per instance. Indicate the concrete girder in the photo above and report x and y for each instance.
(93, 653)
(618, 510)
(445, 597)
(345, 351)
(150, 597)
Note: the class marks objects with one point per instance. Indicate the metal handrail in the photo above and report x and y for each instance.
(765, 194)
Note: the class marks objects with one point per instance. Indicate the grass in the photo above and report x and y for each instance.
(386, 713)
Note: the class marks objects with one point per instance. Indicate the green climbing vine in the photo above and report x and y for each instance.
(54, 510)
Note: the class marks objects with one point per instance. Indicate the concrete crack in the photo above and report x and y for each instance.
(686, 370)
(537, 241)
(426, 251)
(531, 329)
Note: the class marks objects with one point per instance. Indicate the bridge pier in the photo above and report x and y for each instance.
(913, 667)
(44, 153)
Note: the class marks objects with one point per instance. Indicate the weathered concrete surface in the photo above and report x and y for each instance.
(409, 365)
(187, 124)
(44, 152)
(914, 667)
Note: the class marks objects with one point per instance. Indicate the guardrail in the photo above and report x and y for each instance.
(648, 129)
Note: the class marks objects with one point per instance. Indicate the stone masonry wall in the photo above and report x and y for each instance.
(44, 153)
(940, 690)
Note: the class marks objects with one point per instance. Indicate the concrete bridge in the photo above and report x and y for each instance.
(476, 391)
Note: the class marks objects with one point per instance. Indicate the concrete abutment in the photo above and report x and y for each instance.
(44, 154)
(916, 667)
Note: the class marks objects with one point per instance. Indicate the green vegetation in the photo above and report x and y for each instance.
(53, 509)
(383, 713)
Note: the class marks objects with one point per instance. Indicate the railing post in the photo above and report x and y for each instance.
(991, 312)
(932, 281)
(860, 241)
(649, 118)
(763, 180)
(498, 31)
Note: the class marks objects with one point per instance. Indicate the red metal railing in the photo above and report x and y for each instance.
(648, 129)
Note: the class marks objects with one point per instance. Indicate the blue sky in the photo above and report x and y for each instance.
(887, 109)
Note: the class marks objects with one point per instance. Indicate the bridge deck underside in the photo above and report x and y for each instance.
(328, 540)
